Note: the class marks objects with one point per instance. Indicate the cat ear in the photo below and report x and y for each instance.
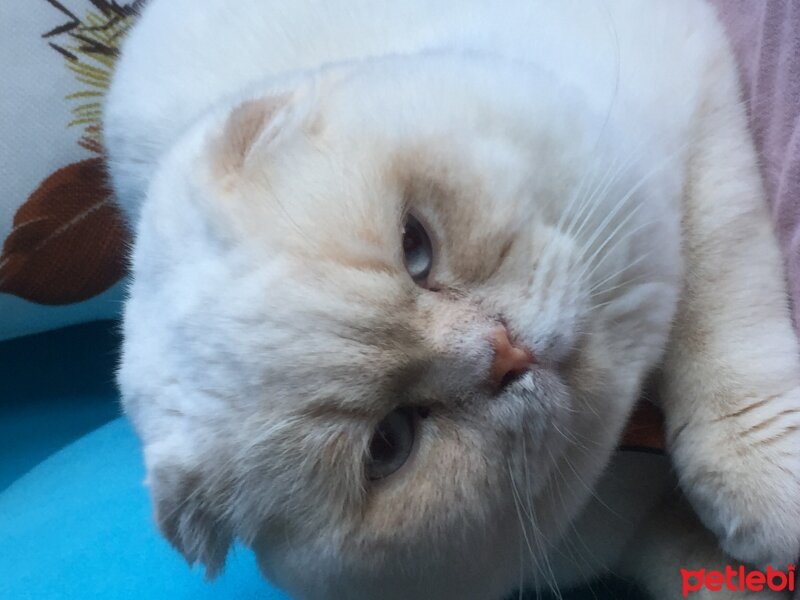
(259, 124)
(190, 517)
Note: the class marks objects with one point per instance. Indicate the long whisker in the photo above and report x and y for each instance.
(601, 190)
(576, 196)
(539, 537)
(517, 505)
(598, 289)
(588, 552)
(615, 171)
(608, 219)
(617, 243)
(584, 196)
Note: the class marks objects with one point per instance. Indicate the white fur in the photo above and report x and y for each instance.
(605, 140)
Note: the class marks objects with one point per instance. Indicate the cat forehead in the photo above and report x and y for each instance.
(358, 129)
(337, 193)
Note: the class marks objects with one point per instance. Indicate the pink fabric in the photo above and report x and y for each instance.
(766, 39)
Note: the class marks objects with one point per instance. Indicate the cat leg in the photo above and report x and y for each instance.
(669, 552)
(731, 378)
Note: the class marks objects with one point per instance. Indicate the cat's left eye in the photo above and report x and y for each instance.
(391, 444)
(417, 250)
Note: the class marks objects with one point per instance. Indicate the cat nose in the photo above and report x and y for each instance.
(509, 361)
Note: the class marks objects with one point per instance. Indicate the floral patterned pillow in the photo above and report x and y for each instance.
(63, 240)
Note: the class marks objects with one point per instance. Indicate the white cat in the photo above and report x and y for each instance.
(401, 269)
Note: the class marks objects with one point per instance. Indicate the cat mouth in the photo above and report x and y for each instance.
(510, 379)
(516, 384)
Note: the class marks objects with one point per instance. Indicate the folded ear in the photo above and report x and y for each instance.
(257, 124)
(253, 120)
(191, 517)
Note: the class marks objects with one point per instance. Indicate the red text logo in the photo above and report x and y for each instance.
(738, 580)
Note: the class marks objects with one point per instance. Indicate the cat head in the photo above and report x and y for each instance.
(386, 323)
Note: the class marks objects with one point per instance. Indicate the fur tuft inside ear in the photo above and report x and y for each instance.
(191, 518)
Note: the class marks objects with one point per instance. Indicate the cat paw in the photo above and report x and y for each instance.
(745, 488)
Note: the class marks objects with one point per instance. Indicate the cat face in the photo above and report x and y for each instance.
(327, 279)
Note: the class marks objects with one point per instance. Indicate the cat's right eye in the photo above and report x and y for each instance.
(391, 444)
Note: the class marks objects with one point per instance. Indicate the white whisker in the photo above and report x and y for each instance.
(597, 288)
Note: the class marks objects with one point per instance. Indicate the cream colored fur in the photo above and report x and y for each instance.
(588, 179)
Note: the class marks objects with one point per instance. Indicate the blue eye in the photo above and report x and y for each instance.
(391, 444)
(417, 250)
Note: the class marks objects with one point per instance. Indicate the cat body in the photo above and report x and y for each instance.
(585, 176)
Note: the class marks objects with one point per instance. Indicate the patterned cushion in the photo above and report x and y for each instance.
(63, 240)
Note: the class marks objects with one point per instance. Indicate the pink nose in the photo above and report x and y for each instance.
(509, 361)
